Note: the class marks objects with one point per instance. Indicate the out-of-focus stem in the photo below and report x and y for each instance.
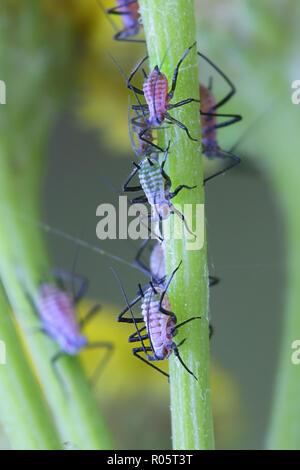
(170, 30)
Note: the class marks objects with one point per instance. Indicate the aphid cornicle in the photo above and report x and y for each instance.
(209, 124)
(160, 324)
(157, 96)
(128, 10)
(156, 185)
(57, 311)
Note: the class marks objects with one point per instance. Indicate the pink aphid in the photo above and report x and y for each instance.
(57, 312)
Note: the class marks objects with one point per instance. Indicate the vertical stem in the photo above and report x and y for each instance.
(170, 30)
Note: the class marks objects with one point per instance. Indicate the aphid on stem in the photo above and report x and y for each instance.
(57, 311)
(159, 321)
(128, 10)
(156, 185)
(158, 97)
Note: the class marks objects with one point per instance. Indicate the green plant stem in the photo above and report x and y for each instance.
(170, 30)
(24, 414)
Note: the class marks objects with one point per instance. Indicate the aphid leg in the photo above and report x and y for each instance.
(176, 352)
(141, 136)
(183, 102)
(115, 10)
(138, 200)
(134, 320)
(213, 281)
(163, 310)
(223, 153)
(121, 36)
(132, 174)
(135, 352)
(100, 367)
(61, 276)
(181, 125)
(139, 107)
(158, 235)
(211, 330)
(175, 75)
(229, 82)
(184, 323)
(92, 312)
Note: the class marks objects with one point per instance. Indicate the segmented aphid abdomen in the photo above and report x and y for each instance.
(156, 95)
(208, 123)
(152, 182)
(159, 325)
(56, 310)
(130, 16)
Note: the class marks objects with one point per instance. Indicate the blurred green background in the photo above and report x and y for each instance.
(88, 151)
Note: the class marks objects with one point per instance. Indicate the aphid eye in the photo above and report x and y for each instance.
(165, 352)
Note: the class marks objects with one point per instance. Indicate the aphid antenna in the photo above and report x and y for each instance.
(129, 308)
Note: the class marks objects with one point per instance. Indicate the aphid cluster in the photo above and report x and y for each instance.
(159, 323)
